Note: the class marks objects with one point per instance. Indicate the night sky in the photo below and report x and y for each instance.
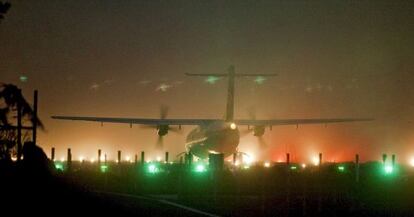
(126, 58)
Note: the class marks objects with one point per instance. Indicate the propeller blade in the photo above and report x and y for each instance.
(160, 143)
(262, 142)
(164, 111)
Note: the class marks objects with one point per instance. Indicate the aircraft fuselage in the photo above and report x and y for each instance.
(219, 137)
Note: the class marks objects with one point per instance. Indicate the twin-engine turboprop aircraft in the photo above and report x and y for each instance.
(214, 135)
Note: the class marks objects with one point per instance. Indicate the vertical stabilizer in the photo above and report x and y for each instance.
(230, 95)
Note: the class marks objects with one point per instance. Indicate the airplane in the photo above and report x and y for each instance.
(214, 136)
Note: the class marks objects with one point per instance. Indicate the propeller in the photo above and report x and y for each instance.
(262, 142)
(164, 111)
(251, 111)
(160, 143)
(258, 131)
(162, 130)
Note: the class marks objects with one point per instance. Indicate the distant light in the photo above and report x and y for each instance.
(62, 159)
(200, 168)
(92, 160)
(388, 169)
(212, 79)
(315, 161)
(246, 167)
(23, 78)
(266, 164)
(81, 158)
(158, 158)
(341, 168)
(14, 158)
(412, 162)
(102, 158)
(293, 167)
(128, 158)
(259, 79)
(233, 126)
(104, 168)
(303, 166)
(236, 163)
(248, 159)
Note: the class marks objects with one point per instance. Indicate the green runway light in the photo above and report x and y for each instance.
(59, 166)
(341, 168)
(152, 168)
(104, 168)
(246, 167)
(388, 169)
(293, 167)
(200, 168)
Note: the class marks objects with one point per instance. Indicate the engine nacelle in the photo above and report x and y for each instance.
(162, 130)
(258, 130)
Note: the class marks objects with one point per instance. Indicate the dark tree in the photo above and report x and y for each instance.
(4, 7)
(11, 98)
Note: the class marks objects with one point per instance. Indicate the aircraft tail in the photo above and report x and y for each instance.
(230, 88)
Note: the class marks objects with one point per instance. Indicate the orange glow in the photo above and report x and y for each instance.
(412, 162)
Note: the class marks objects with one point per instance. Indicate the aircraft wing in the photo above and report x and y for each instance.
(143, 121)
(297, 121)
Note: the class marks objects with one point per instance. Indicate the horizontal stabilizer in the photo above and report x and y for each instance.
(226, 74)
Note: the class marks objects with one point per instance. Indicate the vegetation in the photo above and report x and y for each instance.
(4, 7)
(11, 99)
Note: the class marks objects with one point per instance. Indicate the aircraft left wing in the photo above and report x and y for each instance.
(143, 121)
(275, 122)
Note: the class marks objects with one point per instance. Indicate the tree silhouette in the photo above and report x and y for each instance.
(4, 7)
(11, 98)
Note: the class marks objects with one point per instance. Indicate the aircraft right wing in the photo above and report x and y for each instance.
(275, 122)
